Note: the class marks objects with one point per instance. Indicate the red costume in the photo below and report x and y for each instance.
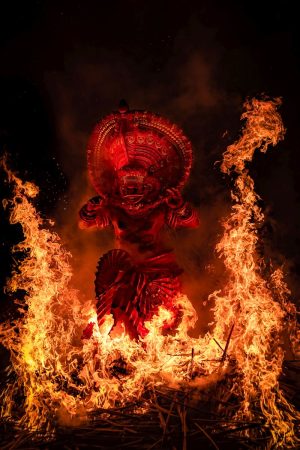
(138, 162)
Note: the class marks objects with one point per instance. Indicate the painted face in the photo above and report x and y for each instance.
(135, 186)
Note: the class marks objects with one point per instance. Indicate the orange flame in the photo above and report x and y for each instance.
(258, 307)
(64, 379)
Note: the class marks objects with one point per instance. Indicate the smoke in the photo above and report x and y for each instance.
(88, 90)
(187, 89)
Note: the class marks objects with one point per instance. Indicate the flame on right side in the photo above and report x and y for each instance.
(254, 307)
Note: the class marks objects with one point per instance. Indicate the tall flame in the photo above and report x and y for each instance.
(257, 307)
(63, 378)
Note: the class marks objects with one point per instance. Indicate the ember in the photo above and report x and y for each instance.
(64, 380)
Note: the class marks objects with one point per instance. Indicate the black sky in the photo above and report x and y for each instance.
(66, 64)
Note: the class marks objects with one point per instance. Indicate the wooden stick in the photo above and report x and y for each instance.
(227, 344)
(208, 436)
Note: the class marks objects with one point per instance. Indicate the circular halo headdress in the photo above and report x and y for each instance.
(138, 139)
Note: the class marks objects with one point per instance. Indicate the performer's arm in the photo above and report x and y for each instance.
(180, 213)
(94, 214)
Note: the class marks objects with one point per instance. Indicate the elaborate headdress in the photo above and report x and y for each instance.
(138, 139)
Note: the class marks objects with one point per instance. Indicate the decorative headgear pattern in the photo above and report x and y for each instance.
(138, 139)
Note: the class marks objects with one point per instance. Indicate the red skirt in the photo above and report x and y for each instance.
(132, 292)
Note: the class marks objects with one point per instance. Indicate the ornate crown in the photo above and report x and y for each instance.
(138, 139)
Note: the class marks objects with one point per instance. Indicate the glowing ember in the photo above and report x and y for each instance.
(63, 378)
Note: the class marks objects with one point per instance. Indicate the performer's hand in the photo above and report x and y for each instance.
(95, 203)
(174, 198)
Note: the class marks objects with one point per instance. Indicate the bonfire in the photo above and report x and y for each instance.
(160, 389)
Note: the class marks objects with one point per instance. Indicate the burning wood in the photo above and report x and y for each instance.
(116, 386)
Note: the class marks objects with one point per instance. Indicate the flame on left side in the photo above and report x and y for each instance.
(40, 341)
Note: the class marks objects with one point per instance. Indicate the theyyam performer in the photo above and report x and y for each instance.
(138, 163)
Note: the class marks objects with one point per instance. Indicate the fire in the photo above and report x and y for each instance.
(63, 378)
(60, 375)
(257, 306)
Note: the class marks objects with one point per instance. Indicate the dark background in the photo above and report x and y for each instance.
(65, 64)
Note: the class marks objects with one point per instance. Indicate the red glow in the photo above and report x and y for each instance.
(138, 163)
